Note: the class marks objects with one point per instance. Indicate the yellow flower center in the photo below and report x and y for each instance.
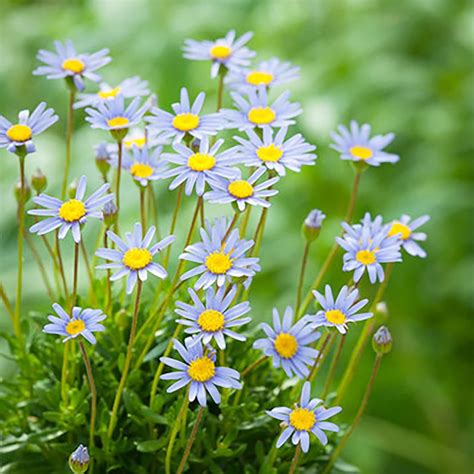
(335, 316)
(302, 419)
(211, 320)
(141, 170)
(240, 189)
(399, 228)
(202, 369)
(220, 51)
(259, 77)
(136, 258)
(201, 162)
(286, 345)
(186, 122)
(261, 115)
(19, 133)
(110, 93)
(218, 262)
(361, 152)
(118, 122)
(139, 142)
(269, 153)
(366, 257)
(75, 327)
(72, 210)
(74, 65)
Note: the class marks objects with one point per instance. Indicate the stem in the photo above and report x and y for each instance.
(304, 262)
(257, 238)
(69, 130)
(220, 91)
(327, 343)
(90, 276)
(332, 369)
(6, 303)
(61, 267)
(352, 201)
(64, 372)
(173, 222)
(108, 305)
(296, 457)
(74, 279)
(231, 226)
(190, 441)
(252, 366)
(142, 207)
(119, 176)
(153, 208)
(245, 221)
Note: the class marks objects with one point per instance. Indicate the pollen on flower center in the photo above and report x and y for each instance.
(141, 170)
(117, 122)
(19, 133)
(139, 142)
(399, 228)
(218, 262)
(240, 189)
(366, 257)
(302, 419)
(186, 122)
(261, 115)
(286, 345)
(361, 152)
(74, 65)
(211, 320)
(202, 369)
(259, 77)
(136, 258)
(72, 210)
(335, 316)
(75, 327)
(201, 162)
(110, 93)
(220, 51)
(269, 153)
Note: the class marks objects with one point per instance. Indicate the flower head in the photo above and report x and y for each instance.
(214, 319)
(288, 344)
(404, 228)
(219, 260)
(70, 214)
(133, 258)
(199, 371)
(304, 418)
(356, 144)
(20, 134)
(382, 341)
(144, 164)
(227, 52)
(82, 322)
(67, 63)
(79, 460)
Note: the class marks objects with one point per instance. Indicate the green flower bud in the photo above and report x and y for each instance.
(39, 181)
(102, 157)
(119, 133)
(110, 212)
(79, 460)
(312, 224)
(27, 191)
(382, 341)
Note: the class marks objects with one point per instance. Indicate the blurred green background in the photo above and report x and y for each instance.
(402, 66)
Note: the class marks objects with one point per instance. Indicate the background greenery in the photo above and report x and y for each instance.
(402, 66)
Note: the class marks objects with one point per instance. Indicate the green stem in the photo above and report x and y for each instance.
(61, 267)
(65, 372)
(75, 273)
(143, 208)
(327, 343)
(295, 460)
(299, 290)
(245, 221)
(252, 366)
(174, 219)
(118, 177)
(259, 232)
(69, 130)
(6, 303)
(90, 276)
(108, 304)
(220, 91)
(153, 208)
(231, 226)
(333, 367)
(191, 439)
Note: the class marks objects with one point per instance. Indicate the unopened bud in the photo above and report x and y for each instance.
(109, 212)
(312, 224)
(39, 181)
(79, 460)
(119, 133)
(71, 189)
(27, 191)
(382, 341)
(103, 157)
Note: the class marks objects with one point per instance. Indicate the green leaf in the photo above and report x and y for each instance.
(152, 445)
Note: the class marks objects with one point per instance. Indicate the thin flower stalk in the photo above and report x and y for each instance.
(333, 367)
(294, 462)
(118, 177)
(174, 219)
(69, 133)
(6, 302)
(143, 213)
(324, 351)
(89, 272)
(304, 263)
(61, 267)
(191, 439)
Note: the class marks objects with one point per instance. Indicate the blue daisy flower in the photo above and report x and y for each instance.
(314, 219)
(70, 214)
(144, 164)
(304, 418)
(82, 322)
(371, 225)
(20, 134)
(288, 344)
(132, 258)
(273, 152)
(214, 319)
(404, 228)
(219, 261)
(256, 111)
(67, 63)
(242, 191)
(199, 371)
(186, 119)
(340, 312)
(357, 145)
(227, 52)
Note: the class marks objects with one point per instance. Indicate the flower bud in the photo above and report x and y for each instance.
(71, 189)
(103, 157)
(119, 133)
(312, 224)
(39, 181)
(382, 341)
(109, 212)
(27, 191)
(79, 460)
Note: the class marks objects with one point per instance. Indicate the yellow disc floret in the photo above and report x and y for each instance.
(269, 153)
(75, 326)
(218, 262)
(110, 93)
(19, 133)
(136, 258)
(261, 115)
(259, 77)
(399, 228)
(302, 419)
(366, 257)
(72, 210)
(211, 320)
(335, 316)
(74, 65)
(240, 189)
(117, 122)
(361, 152)
(140, 142)
(202, 369)
(186, 122)
(220, 51)
(286, 345)
(201, 162)
(141, 170)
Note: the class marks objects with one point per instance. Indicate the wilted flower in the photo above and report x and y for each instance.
(79, 460)
(404, 230)
(382, 341)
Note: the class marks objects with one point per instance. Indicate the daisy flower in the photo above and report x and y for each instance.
(132, 258)
(304, 418)
(144, 164)
(129, 88)
(186, 119)
(67, 63)
(201, 167)
(373, 226)
(242, 191)
(255, 110)
(288, 344)
(340, 312)
(404, 230)
(273, 152)
(70, 214)
(214, 319)
(357, 145)
(226, 52)
(218, 260)
(199, 371)
(82, 322)
(20, 134)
